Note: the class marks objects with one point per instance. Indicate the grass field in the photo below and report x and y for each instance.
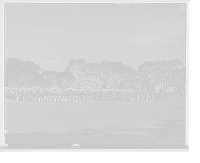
(151, 123)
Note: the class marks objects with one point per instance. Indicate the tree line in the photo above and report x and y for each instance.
(151, 76)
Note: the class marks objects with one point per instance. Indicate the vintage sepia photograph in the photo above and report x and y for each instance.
(95, 76)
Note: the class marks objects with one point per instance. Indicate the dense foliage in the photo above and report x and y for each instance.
(157, 76)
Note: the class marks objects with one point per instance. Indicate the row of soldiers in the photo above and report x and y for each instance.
(134, 96)
(52, 97)
(77, 97)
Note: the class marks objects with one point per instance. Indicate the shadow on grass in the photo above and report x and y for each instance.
(174, 133)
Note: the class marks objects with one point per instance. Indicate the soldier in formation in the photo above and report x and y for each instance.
(60, 95)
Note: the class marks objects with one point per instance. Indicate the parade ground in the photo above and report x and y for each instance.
(100, 124)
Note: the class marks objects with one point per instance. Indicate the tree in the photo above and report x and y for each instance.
(52, 78)
(178, 78)
(31, 73)
(12, 70)
(150, 71)
(103, 74)
(100, 75)
(77, 68)
(167, 71)
(21, 73)
(116, 72)
(129, 75)
(139, 84)
(67, 79)
(90, 78)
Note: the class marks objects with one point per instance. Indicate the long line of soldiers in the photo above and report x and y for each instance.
(54, 95)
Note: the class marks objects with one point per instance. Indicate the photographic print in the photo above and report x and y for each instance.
(95, 75)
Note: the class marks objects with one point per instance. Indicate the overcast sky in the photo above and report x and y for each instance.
(53, 34)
